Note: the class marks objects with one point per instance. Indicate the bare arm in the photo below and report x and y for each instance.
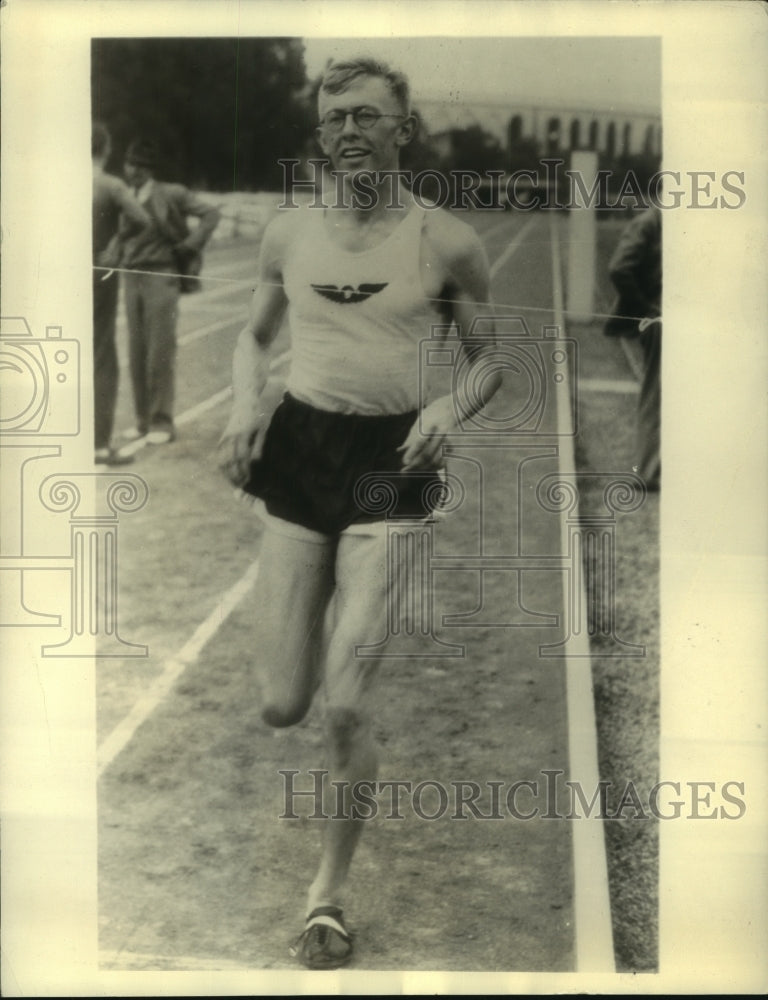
(467, 295)
(243, 437)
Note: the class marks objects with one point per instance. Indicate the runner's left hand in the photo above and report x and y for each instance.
(423, 448)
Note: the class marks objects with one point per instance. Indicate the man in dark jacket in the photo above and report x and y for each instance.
(635, 270)
(168, 248)
(111, 197)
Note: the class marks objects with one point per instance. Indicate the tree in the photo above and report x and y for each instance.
(223, 111)
(473, 148)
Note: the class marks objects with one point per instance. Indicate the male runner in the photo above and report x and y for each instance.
(362, 287)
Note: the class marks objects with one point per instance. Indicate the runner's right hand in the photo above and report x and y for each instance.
(239, 445)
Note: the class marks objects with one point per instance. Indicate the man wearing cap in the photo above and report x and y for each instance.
(111, 197)
(159, 257)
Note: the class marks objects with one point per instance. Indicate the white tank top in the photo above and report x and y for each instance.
(356, 319)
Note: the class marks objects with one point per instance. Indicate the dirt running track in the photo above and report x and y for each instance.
(195, 868)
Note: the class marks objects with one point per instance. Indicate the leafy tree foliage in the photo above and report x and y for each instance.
(474, 148)
(223, 111)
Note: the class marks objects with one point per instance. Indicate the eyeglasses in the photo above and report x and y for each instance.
(363, 117)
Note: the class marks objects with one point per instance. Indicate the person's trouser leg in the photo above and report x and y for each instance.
(105, 370)
(649, 409)
(135, 313)
(161, 304)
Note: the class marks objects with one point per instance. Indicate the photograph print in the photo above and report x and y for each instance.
(377, 360)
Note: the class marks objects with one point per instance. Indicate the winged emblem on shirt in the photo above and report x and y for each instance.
(347, 293)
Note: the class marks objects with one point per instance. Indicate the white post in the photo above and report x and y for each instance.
(582, 237)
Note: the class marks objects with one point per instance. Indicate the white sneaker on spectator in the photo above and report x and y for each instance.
(111, 456)
(133, 434)
(159, 437)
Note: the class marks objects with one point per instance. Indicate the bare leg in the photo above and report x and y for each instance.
(293, 588)
(349, 684)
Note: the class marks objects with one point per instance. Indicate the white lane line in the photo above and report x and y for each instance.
(133, 446)
(207, 404)
(633, 360)
(592, 906)
(240, 285)
(216, 399)
(490, 233)
(136, 961)
(183, 418)
(123, 732)
(222, 324)
(204, 331)
(189, 338)
(608, 385)
(513, 246)
(203, 308)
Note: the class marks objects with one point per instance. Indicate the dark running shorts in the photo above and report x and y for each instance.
(327, 471)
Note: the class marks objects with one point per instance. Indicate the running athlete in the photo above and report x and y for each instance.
(362, 287)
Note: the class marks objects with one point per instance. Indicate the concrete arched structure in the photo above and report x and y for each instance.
(557, 128)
